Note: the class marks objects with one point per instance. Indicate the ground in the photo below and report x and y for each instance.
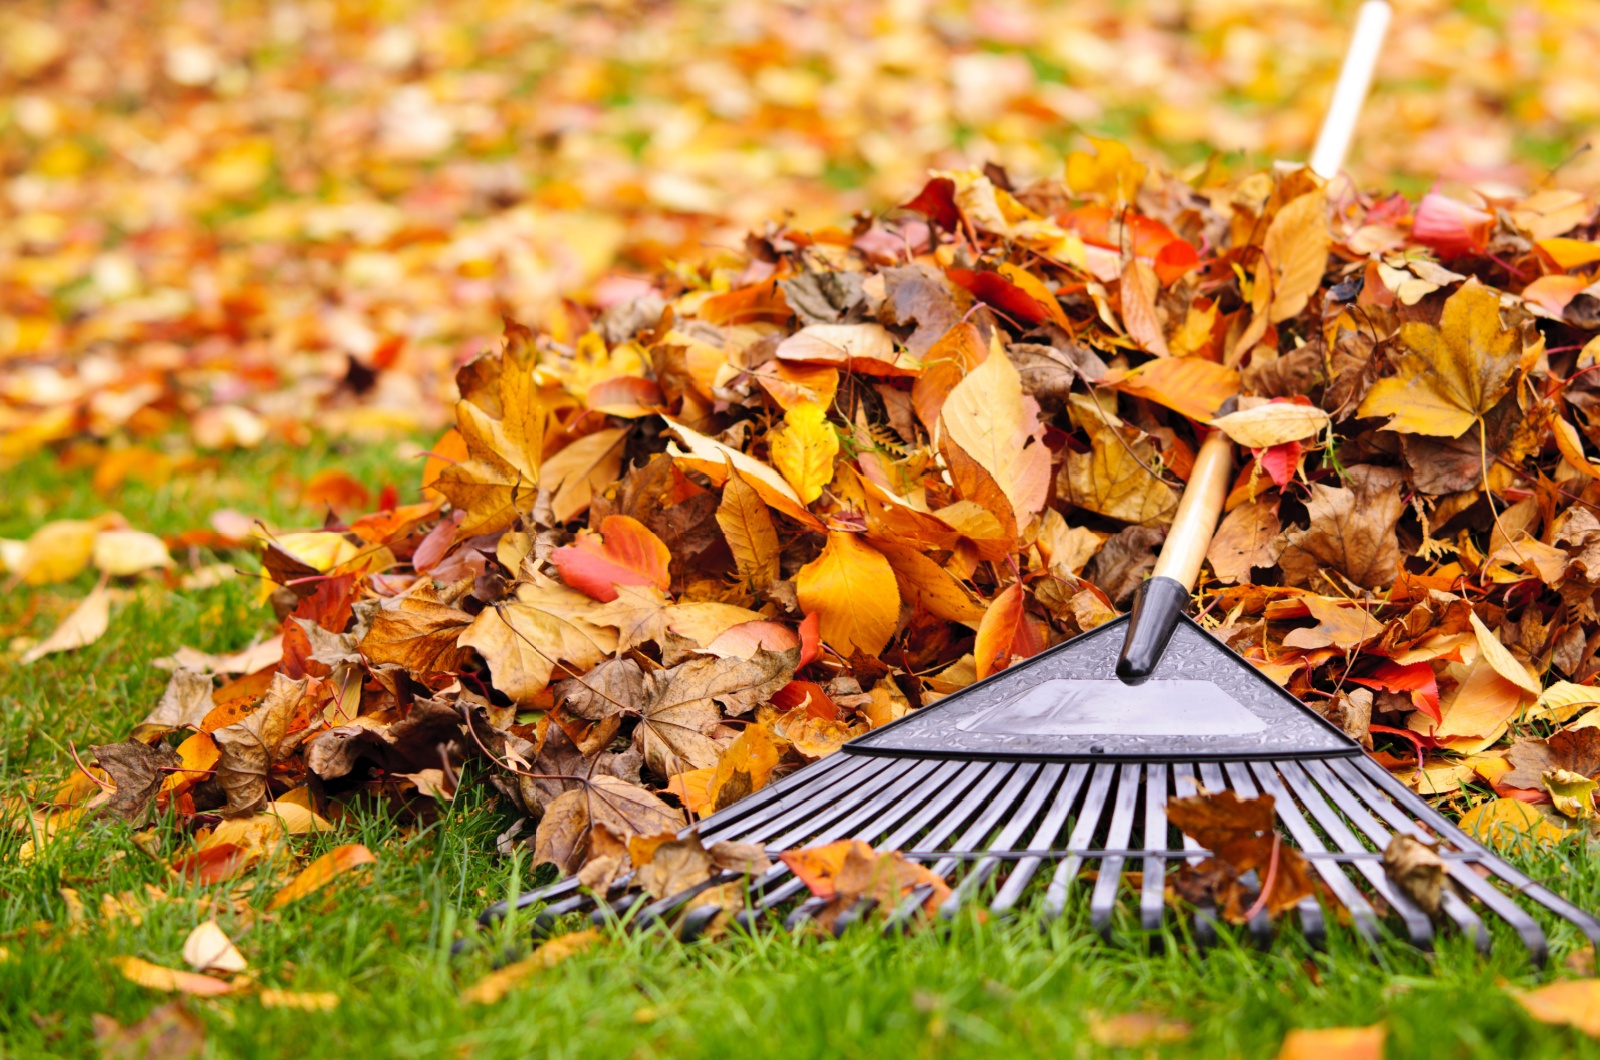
(384, 944)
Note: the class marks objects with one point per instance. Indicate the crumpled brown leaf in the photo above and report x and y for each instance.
(1241, 835)
(1352, 531)
(625, 809)
(250, 747)
(680, 708)
(137, 771)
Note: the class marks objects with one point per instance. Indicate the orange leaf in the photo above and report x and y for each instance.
(317, 875)
(1334, 1043)
(818, 867)
(1190, 385)
(999, 629)
(1140, 285)
(625, 552)
(171, 980)
(853, 588)
(1576, 1004)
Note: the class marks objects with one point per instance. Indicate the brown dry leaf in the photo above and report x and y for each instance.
(1115, 478)
(680, 705)
(853, 588)
(497, 984)
(418, 632)
(1240, 833)
(624, 809)
(83, 626)
(1451, 375)
(994, 423)
(138, 771)
(665, 865)
(167, 1032)
(747, 525)
(1416, 870)
(1272, 424)
(1572, 750)
(1249, 537)
(1334, 1043)
(184, 703)
(1352, 532)
(155, 977)
(321, 872)
(1192, 386)
(1575, 1003)
(247, 749)
(1140, 286)
(1341, 624)
(523, 637)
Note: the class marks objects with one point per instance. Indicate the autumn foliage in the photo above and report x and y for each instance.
(678, 547)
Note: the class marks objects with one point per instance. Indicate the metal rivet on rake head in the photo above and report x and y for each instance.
(1097, 748)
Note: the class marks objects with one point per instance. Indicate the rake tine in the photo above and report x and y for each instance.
(1468, 921)
(1205, 916)
(1261, 923)
(860, 911)
(1343, 889)
(1418, 926)
(1102, 900)
(950, 787)
(782, 814)
(1016, 776)
(1094, 803)
(1043, 837)
(1152, 889)
(695, 922)
(761, 805)
(1495, 900)
(500, 909)
(1041, 790)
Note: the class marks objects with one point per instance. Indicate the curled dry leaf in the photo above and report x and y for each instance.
(208, 949)
(622, 808)
(1575, 1003)
(1272, 424)
(1416, 870)
(84, 625)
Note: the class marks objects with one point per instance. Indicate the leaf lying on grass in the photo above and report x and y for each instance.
(156, 977)
(497, 984)
(320, 872)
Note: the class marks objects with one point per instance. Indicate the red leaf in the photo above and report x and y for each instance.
(1280, 462)
(794, 694)
(999, 292)
(1416, 678)
(213, 864)
(810, 637)
(937, 202)
(625, 552)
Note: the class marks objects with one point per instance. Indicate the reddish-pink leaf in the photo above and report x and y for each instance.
(1416, 678)
(1280, 462)
(624, 552)
(937, 202)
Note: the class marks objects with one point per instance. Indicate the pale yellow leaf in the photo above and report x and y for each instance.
(86, 624)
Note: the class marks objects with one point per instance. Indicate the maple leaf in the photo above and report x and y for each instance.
(1249, 537)
(1451, 375)
(524, 638)
(679, 706)
(248, 748)
(1352, 531)
(1240, 833)
(1296, 250)
(417, 631)
(624, 809)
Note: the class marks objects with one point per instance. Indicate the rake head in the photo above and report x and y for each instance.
(1010, 790)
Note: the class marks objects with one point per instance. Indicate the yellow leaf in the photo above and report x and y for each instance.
(316, 875)
(321, 1001)
(496, 985)
(747, 526)
(853, 588)
(1572, 793)
(57, 552)
(1111, 172)
(1575, 1003)
(1449, 375)
(711, 458)
(1570, 444)
(985, 415)
(1272, 424)
(582, 469)
(521, 638)
(119, 553)
(1499, 656)
(1483, 706)
(803, 450)
(85, 625)
(1113, 478)
(1562, 700)
(1296, 249)
(1510, 823)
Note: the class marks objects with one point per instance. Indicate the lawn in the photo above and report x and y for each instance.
(382, 941)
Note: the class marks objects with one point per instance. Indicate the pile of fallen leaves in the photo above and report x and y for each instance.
(834, 476)
(238, 221)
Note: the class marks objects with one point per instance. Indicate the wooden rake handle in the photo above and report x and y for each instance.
(1165, 595)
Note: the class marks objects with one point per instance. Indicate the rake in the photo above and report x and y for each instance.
(1011, 789)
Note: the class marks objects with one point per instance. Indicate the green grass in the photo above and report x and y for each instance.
(382, 938)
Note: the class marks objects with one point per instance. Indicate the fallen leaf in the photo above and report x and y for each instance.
(1572, 793)
(417, 631)
(803, 450)
(170, 1032)
(624, 552)
(1272, 424)
(680, 706)
(1351, 531)
(123, 553)
(994, 423)
(625, 809)
(1334, 1043)
(747, 526)
(321, 872)
(86, 624)
(1296, 250)
(155, 977)
(317, 1001)
(1451, 375)
(1416, 870)
(208, 949)
(247, 749)
(523, 638)
(492, 988)
(1575, 1003)
(1249, 537)
(1136, 1030)
(1241, 835)
(1115, 478)
(853, 588)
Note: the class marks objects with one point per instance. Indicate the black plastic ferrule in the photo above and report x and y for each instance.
(1156, 607)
